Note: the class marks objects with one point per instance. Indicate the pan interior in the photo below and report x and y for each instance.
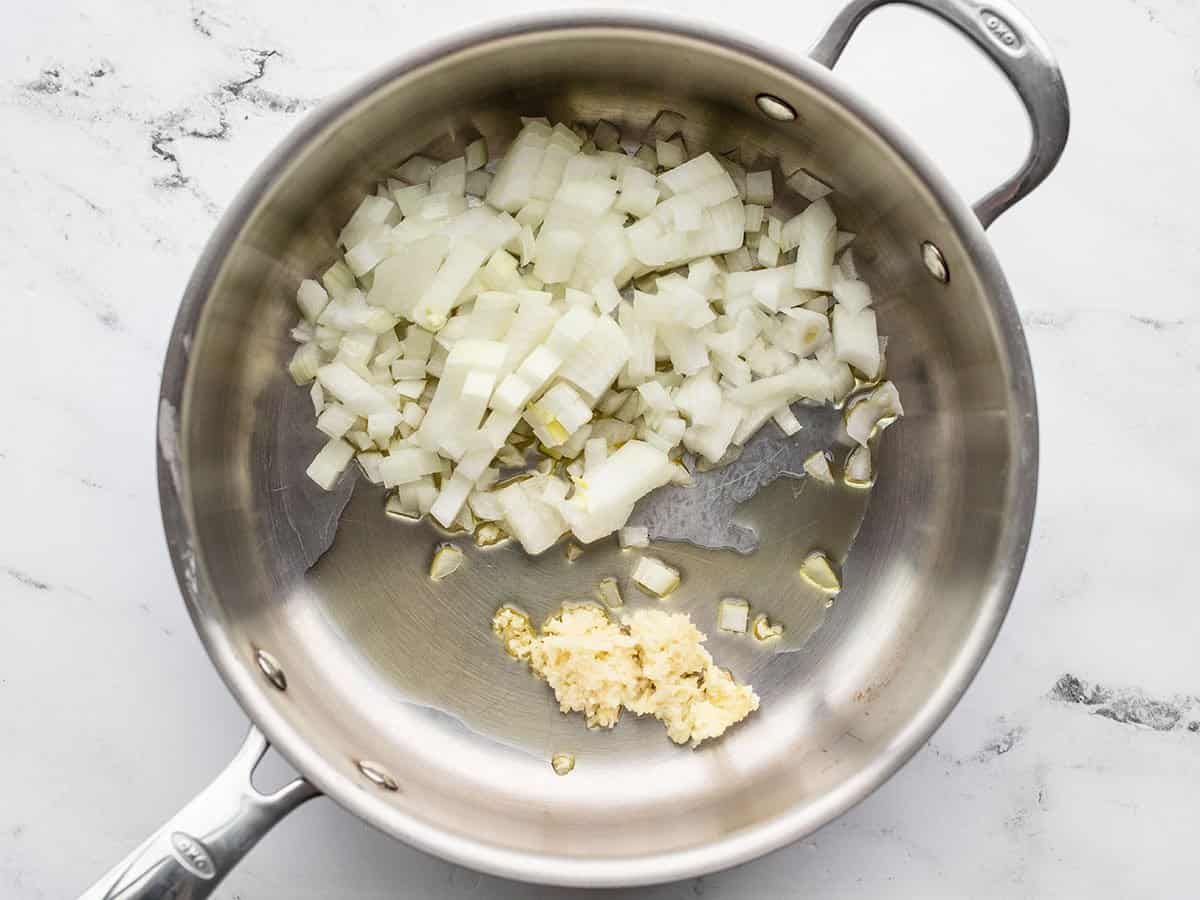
(382, 664)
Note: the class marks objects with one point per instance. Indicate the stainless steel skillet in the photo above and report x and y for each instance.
(388, 694)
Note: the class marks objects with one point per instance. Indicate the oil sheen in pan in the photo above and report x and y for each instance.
(739, 531)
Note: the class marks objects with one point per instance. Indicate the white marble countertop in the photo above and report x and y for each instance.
(126, 130)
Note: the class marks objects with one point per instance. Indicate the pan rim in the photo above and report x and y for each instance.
(739, 847)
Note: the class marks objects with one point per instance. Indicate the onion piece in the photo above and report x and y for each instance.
(686, 348)
(312, 299)
(768, 252)
(485, 506)
(852, 294)
(317, 395)
(805, 378)
(532, 521)
(847, 265)
(874, 412)
(817, 465)
(682, 475)
(739, 260)
(606, 136)
(613, 431)
(408, 197)
(667, 123)
(856, 340)
(396, 506)
(699, 398)
(633, 536)
(609, 594)
(857, 471)
(753, 419)
(641, 336)
(417, 169)
(407, 464)
(754, 217)
(419, 495)
(595, 452)
(606, 295)
(574, 445)
(670, 153)
(685, 212)
(476, 154)
(360, 439)
(451, 499)
(733, 615)
(604, 500)
(819, 571)
(372, 212)
(450, 177)
(808, 186)
(446, 560)
(813, 233)
(338, 280)
(354, 392)
(760, 188)
(558, 414)
(786, 420)
(597, 360)
(763, 630)
(655, 577)
(712, 441)
(512, 183)
(305, 363)
(330, 462)
(656, 396)
(800, 331)
(687, 176)
(381, 426)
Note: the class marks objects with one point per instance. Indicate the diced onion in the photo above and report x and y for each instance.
(819, 571)
(817, 465)
(786, 420)
(875, 411)
(609, 594)
(330, 462)
(733, 615)
(763, 630)
(550, 309)
(856, 340)
(857, 471)
(808, 185)
(446, 560)
(634, 536)
(655, 577)
(476, 155)
(760, 188)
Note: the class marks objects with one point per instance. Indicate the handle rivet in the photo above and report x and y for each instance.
(270, 667)
(935, 262)
(774, 108)
(375, 774)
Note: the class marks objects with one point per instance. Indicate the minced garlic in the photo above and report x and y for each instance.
(653, 663)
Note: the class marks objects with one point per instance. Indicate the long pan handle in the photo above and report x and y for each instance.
(187, 858)
(1014, 45)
